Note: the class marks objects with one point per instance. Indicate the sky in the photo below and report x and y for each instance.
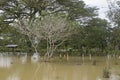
(102, 4)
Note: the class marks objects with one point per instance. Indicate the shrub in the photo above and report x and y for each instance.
(94, 62)
(106, 73)
(116, 63)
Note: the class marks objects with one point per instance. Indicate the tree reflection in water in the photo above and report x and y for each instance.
(35, 57)
(24, 58)
(13, 77)
(5, 62)
(55, 70)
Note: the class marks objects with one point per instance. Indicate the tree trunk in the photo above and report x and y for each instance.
(90, 57)
(67, 57)
(46, 56)
(83, 58)
(108, 60)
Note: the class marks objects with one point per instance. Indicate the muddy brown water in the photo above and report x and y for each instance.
(17, 68)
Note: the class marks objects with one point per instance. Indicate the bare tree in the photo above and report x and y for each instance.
(55, 30)
(29, 28)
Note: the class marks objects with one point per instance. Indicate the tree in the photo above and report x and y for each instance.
(90, 36)
(114, 12)
(79, 10)
(14, 9)
(55, 30)
(73, 10)
(114, 16)
(30, 28)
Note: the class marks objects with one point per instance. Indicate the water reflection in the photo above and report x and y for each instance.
(35, 57)
(114, 77)
(5, 62)
(52, 71)
(13, 77)
(23, 59)
(99, 78)
(48, 71)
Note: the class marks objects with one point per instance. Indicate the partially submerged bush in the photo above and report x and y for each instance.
(106, 73)
(116, 63)
(94, 62)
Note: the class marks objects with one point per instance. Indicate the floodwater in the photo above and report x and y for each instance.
(22, 68)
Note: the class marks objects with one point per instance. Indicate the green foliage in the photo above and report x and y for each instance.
(114, 12)
(106, 73)
(94, 62)
(90, 35)
(14, 9)
(78, 9)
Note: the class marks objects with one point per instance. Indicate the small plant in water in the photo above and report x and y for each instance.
(94, 62)
(116, 63)
(106, 73)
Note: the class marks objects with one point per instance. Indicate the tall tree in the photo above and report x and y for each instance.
(55, 30)
(114, 16)
(13, 9)
(92, 35)
(114, 12)
(30, 28)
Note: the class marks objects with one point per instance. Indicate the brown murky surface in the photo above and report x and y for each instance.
(16, 68)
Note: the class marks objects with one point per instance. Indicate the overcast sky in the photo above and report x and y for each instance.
(102, 4)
